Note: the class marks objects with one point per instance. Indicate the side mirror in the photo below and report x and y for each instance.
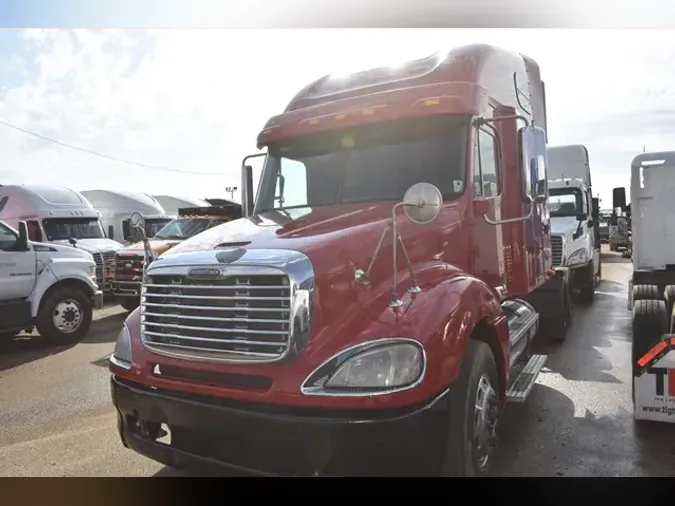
(111, 232)
(581, 217)
(423, 203)
(247, 184)
(137, 227)
(72, 241)
(22, 241)
(595, 208)
(532, 147)
(619, 198)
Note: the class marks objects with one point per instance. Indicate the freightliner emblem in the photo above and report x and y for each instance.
(204, 272)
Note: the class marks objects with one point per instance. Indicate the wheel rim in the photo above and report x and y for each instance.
(485, 421)
(67, 316)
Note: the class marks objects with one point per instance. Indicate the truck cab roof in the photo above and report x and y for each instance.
(456, 82)
(28, 201)
(568, 162)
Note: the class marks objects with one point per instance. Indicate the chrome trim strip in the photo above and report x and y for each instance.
(117, 362)
(357, 349)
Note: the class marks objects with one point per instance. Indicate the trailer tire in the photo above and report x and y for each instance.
(72, 302)
(130, 303)
(650, 322)
(669, 297)
(477, 384)
(646, 292)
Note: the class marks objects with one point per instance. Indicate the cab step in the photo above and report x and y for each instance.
(523, 384)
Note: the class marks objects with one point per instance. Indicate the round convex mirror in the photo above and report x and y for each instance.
(422, 203)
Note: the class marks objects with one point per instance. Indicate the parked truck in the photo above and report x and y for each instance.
(575, 218)
(130, 260)
(171, 204)
(375, 308)
(651, 289)
(47, 286)
(620, 222)
(60, 215)
(117, 206)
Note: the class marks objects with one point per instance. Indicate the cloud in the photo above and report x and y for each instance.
(195, 100)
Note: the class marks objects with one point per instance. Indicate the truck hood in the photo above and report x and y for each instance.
(338, 240)
(93, 245)
(158, 246)
(564, 225)
(52, 251)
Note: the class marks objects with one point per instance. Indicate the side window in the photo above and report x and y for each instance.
(7, 238)
(294, 174)
(486, 167)
(34, 232)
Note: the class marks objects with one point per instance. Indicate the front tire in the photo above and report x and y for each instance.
(587, 290)
(65, 315)
(130, 303)
(473, 416)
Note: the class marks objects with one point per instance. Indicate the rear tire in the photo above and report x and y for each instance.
(646, 292)
(130, 303)
(472, 431)
(669, 298)
(65, 315)
(650, 323)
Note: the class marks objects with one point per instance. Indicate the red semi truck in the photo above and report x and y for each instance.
(374, 309)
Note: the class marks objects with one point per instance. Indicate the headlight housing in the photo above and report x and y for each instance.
(91, 271)
(376, 367)
(580, 256)
(121, 357)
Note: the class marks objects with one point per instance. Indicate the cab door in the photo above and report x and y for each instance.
(17, 268)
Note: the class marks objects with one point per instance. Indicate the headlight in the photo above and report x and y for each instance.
(121, 357)
(382, 366)
(580, 256)
(91, 271)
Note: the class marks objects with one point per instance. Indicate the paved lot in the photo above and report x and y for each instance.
(57, 420)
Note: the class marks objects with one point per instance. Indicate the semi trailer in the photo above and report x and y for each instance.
(375, 308)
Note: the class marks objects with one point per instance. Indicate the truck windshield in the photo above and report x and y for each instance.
(61, 229)
(154, 225)
(369, 163)
(564, 202)
(183, 228)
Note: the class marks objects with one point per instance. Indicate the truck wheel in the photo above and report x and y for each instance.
(130, 303)
(557, 328)
(669, 297)
(65, 315)
(473, 415)
(646, 292)
(587, 290)
(650, 322)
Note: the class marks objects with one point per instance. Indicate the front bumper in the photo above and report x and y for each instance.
(221, 437)
(98, 299)
(126, 288)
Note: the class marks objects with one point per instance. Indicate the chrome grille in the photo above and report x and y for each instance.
(238, 317)
(128, 272)
(105, 265)
(556, 250)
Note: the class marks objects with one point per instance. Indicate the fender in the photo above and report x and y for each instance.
(57, 271)
(443, 317)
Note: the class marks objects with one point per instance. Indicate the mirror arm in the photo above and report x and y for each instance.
(512, 220)
(480, 121)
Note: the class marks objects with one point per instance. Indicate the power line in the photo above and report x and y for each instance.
(102, 155)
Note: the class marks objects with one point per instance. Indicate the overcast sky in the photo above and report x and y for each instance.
(195, 100)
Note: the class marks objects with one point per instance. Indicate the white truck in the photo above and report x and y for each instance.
(117, 206)
(48, 286)
(651, 289)
(172, 204)
(575, 234)
(60, 215)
